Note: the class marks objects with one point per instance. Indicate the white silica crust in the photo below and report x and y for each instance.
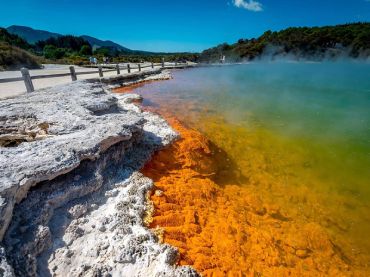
(72, 200)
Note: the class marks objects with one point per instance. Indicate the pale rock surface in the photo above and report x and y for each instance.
(72, 201)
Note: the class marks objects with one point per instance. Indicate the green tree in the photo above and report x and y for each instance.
(102, 51)
(85, 50)
(51, 52)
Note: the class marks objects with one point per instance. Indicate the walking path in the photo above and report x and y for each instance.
(17, 88)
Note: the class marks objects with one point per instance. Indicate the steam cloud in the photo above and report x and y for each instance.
(249, 5)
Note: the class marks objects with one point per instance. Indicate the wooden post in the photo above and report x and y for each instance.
(118, 71)
(152, 65)
(139, 66)
(73, 73)
(162, 62)
(100, 71)
(128, 68)
(27, 79)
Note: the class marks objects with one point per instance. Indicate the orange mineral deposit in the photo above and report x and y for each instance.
(226, 229)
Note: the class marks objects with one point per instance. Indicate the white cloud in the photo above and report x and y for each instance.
(249, 5)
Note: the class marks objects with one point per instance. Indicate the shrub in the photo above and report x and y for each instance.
(12, 57)
(51, 52)
(86, 50)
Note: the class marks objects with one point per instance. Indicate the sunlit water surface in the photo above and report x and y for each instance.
(298, 132)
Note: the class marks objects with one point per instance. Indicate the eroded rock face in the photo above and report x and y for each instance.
(74, 133)
(15, 130)
(85, 215)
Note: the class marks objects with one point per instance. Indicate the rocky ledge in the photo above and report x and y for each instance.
(72, 200)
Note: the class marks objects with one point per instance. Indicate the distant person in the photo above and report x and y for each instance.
(95, 61)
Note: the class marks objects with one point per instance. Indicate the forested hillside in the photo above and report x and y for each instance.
(312, 43)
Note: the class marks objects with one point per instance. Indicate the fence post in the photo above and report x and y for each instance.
(100, 71)
(152, 65)
(73, 73)
(27, 79)
(162, 62)
(118, 71)
(139, 66)
(128, 68)
(175, 63)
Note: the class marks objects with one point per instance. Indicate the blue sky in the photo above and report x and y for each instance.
(171, 25)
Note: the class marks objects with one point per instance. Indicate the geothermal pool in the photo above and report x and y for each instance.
(272, 174)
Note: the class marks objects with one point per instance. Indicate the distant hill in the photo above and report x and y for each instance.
(13, 39)
(307, 43)
(96, 43)
(32, 36)
(69, 49)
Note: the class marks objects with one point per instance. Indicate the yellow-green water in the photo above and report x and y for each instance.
(299, 133)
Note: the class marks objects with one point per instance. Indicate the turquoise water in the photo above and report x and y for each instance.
(299, 132)
(326, 103)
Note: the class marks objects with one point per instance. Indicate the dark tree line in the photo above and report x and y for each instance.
(69, 42)
(63, 46)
